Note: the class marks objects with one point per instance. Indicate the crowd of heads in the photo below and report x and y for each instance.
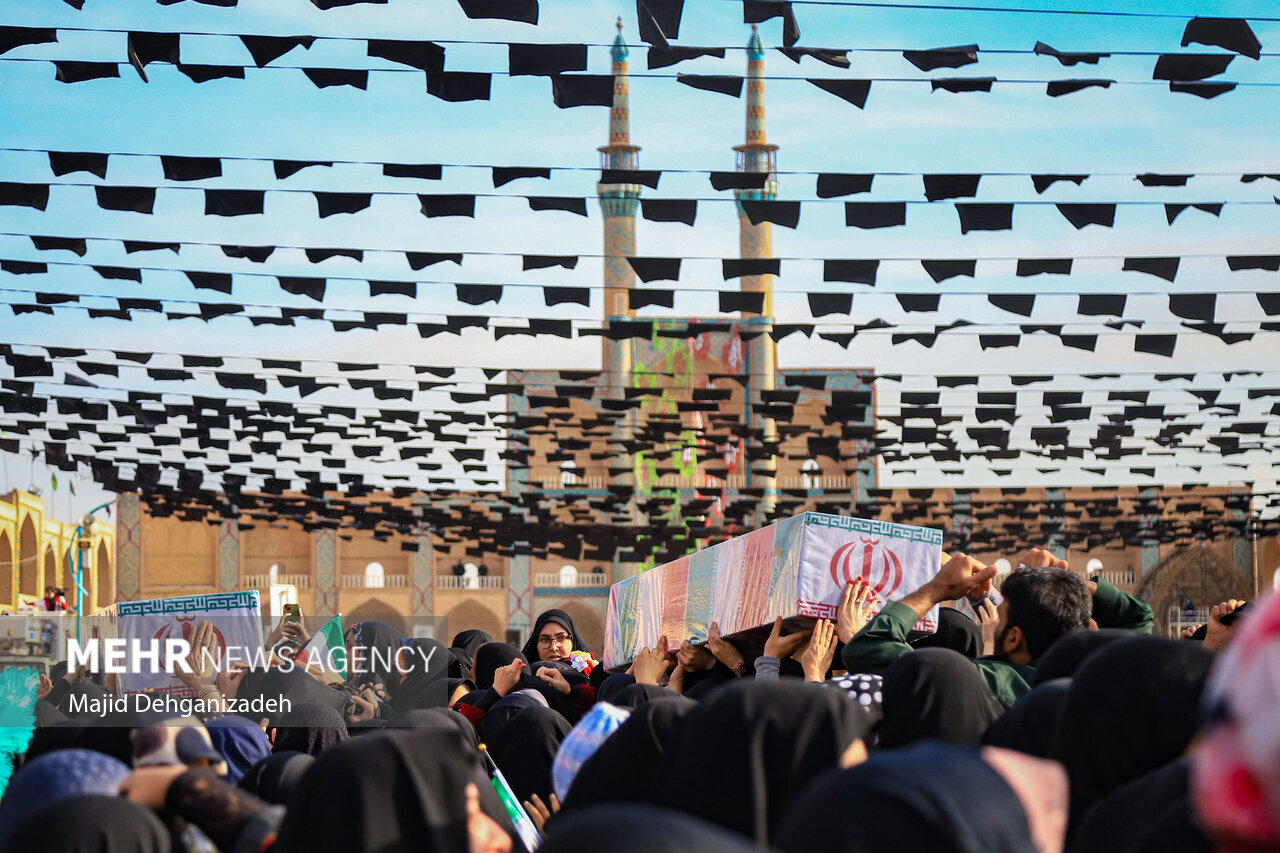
(1052, 722)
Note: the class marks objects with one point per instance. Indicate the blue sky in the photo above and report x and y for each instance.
(1134, 127)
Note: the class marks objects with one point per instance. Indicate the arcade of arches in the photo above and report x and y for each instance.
(37, 550)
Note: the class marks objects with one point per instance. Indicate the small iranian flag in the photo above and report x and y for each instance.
(326, 649)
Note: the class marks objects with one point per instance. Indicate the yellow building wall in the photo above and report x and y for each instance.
(34, 551)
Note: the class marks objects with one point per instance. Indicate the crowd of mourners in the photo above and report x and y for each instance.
(1055, 721)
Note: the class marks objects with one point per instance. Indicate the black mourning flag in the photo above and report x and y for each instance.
(1043, 182)
(424, 55)
(856, 271)
(324, 78)
(541, 262)
(133, 199)
(984, 217)
(564, 295)
(748, 302)
(503, 175)
(736, 267)
(646, 177)
(1068, 59)
(1044, 266)
(942, 57)
(827, 56)
(233, 202)
(383, 288)
(1231, 34)
(1058, 88)
(1153, 180)
(315, 256)
(538, 60)
(205, 73)
(520, 11)
(834, 184)
(447, 205)
(938, 187)
(784, 213)
(1190, 66)
(311, 287)
(669, 210)
(1165, 268)
(853, 91)
(11, 37)
(644, 297)
(456, 86)
(144, 48)
(66, 162)
(656, 269)
(265, 49)
(874, 214)
(1202, 90)
(564, 203)
(328, 204)
(756, 11)
(1155, 344)
(69, 71)
(1080, 215)
(725, 84)
(582, 90)
(738, 180)
(1193, 306)
(131, 246)
(478, 294)
(286, 168)
(218, 281)
(422, 260)
(918, 301)
(940, 271)
(961, 84)
(76, 245)
(666, 57)
(1270, 263)
(1172, 210)
(256, 254)
(659, 20)
(425, 171)
(1095, 304)
(822, 304)
(1015, 303)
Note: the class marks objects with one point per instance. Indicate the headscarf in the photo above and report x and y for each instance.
(57, 775)
(378, 642)
(112, 735)
(1029, 725)
(639, 829)
(935, 694)
(64, 734)
(626, 767)
(490, 657)
(424, 664)
(760, 741)
(178, 741)
(524, 744)
(956, 631)
(241, 742)
(273, 778)
(463, 650)
(311, 728)
(1131, 708)
(1068, 652)
(1235, 772)
(931, 796)
(1162, 802)
(393, 792)
(531, 647)
(276, 685)
(582, 741)
(90, 823)
(613, 685)
(442, 717)
(635, 695)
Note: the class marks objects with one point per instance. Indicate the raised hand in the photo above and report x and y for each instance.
(651, 664)
(505, 677)
(1039, 558)
(556, 679)
(539, 811)
(693, 658)
(988, 620)
(856, 606)
(816, 658)
(726, 652)
(42, 690)
(1218, 633)
(778, 646)
(958, 577)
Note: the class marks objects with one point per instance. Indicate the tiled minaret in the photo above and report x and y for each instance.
(618, 203)
(756, 241)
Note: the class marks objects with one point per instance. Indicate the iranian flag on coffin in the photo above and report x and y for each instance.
(896, 558)
(236, 618)
(797, 567)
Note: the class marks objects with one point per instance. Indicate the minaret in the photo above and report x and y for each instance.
(618, 203)
(756, 241)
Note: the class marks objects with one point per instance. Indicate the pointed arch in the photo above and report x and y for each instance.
(8, 569)
(1194, 573)
(28, 558)
(377, 610)
(104, 578)
(472, 614)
